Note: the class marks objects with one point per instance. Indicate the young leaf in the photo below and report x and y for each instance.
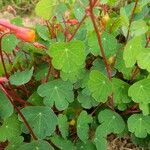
(58, 91)
(46, 8)
(20, 78)
(139, 91)
(10, 128)
(138, 27)
(82, 126)
(42, 120)
(67, 57)
(37, 145)
(139, 125)
(6, 108)
(131, 51)
(63, 144)
(120, 91)
(111, 122)
(100, 86)
(143, 59)
(63, 125)
(9, 42)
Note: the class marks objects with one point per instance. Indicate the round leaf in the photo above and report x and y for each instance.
(42, 120)
(58, 91)
(67, 57)
(139, 125)
(20, 78)
(100, 86)
(139, 91)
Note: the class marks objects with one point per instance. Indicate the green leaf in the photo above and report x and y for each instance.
(131, 51)
(145, 108)
(86, 100)
(43, 32)
(85, 146)
(20, 78)
(17, 21)
(63, 125)
(100, 86)
(10, 128)
(139, 27)
(120, 91)
(139, 91)
(6, 108)
(143, 59)
(100, 140)
(62, 144)
(139, 125)
(111, 122)
(121, 67)
(67, 57)
(46, 8)
(78, 11)
(82, 126)
(36, 145)
(35, 99)
(9, 42)
(14, 143)
(42, 120)
(107, 40)
(57, 91)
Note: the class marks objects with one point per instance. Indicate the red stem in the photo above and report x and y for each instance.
(108, 69)
(76, 30)
(19, 112)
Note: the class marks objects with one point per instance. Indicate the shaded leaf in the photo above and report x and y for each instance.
(20, 78)
(82, 126)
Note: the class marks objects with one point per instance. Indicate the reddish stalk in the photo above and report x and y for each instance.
(19, 112)
(108, 69)
(131, 18)
(49, 72)
(76, 30)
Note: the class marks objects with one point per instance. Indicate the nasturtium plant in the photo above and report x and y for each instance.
(6, 109)
(98, 81)
(20, 78)
(39, 118)
(9, 42)
(139, 125)
(68, 57)
(82, 125)
(57, 91)
(77, 78)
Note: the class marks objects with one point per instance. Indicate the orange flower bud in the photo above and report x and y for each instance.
(72, 21)
(24, 34)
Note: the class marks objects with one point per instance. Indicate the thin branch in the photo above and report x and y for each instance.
(131, 18)
(19, 112)
(76, 30)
